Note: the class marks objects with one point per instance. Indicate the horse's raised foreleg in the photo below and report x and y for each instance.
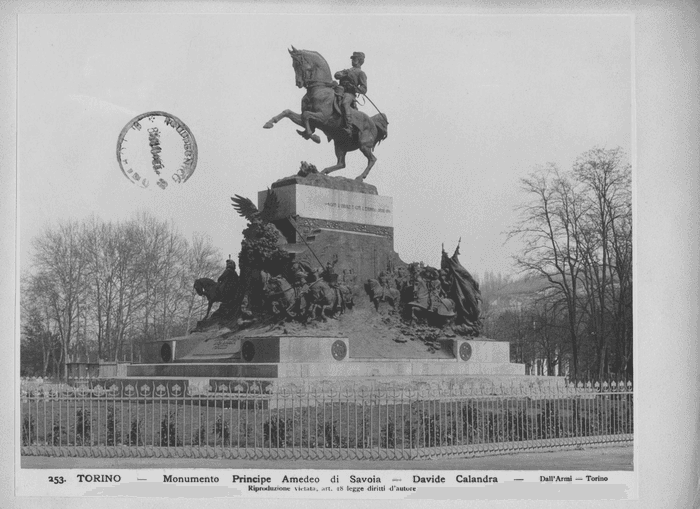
(306, 118)
(211, 303)
(302, 120)
(307, 133)
(340, 154)
(371, 159)
(294, 117)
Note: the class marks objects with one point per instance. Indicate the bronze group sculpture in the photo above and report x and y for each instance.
(223, 290)
(328, 106)
(381, 291)
(277, 282)
(206, 287)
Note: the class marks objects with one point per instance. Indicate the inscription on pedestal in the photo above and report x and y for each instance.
(332, 205)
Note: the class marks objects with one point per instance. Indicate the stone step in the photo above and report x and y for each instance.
(348, 369)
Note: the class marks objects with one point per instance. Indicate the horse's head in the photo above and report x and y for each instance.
(309, 66)
(273, 285)
(419, 286)
(199, 287)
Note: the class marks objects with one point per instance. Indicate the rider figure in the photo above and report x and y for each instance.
(353, 81)
(401, 279)
(300, 274)
(228, 281)
(435, 293)
(445, 283)
(329, 276)
(385, 282)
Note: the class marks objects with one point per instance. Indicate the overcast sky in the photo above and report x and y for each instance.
(473, 102)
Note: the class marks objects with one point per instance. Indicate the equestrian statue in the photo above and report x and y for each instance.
(331, 108)
(223, 290)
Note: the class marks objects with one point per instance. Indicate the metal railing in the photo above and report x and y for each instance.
(313, 420)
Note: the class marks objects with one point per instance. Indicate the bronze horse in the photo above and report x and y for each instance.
(378, 293)
(210, 289)
(320, 110)
(283, 297)
(289, 301)
(325, 298)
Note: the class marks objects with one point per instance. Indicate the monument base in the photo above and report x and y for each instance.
(322, 357)
(350, 369)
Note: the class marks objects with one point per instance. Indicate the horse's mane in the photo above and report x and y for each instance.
(317, 54)
(318, 58)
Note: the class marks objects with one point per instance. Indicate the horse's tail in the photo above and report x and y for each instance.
(382, 125)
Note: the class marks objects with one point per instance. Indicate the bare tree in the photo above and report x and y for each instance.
(62, 269)
(606, 236)
(99, 288)
(549, 228)
(39, 342)
(577, 232)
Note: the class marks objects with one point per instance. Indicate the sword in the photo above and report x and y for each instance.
(375, 106)
(293, 223)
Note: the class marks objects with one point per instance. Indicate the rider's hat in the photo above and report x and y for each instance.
(358, 54)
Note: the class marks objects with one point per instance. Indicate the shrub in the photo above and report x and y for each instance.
(330, 435)
(28, 430)
(83, 427)
(275, 432)
(222, 430)
(199, 438)
(388, 435)
(135, 432)
(168, 432)
(56, 436)
(113, 431)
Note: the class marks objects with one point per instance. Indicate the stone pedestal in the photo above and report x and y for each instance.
(320, 357)
(474, 351)
(290, 349)
(335, 216)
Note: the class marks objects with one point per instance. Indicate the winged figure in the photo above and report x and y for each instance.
(246, 208)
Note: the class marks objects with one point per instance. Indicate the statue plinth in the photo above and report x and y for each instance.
(334, 216)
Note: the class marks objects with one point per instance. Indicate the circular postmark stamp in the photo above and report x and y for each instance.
(157, 149)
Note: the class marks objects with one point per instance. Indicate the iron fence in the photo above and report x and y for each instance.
(324, 420)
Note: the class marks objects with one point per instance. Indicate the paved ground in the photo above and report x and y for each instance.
(590, 459)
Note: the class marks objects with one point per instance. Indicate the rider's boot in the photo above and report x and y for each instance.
(347, 126)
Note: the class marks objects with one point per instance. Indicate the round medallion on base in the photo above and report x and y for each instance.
(465, 351)
(339, 350)
(248, 351)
